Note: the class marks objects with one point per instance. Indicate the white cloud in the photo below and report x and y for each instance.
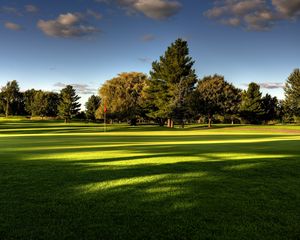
(271, 85)
(155, 9)
(258, 15)
(260, 20)
(12, 26)
(80, 88)
(66, 26)
(232, 21)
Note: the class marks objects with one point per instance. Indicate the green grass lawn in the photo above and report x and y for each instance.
(74, 181)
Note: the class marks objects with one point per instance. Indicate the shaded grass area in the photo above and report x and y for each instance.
(148, 183)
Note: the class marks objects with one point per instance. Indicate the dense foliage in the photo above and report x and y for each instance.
(214, 95)
(172, 81)
(68, 104)
(91, 107)
(292, 93)
(122, 97)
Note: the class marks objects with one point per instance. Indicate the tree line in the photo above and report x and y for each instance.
(171, 94)
(39, 103)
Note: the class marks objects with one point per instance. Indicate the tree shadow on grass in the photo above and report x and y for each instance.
(223, 195)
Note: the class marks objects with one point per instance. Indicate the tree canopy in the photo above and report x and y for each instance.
(214, 95)
(91, 107)
(10, 94)
(122, 96)
(251, 107)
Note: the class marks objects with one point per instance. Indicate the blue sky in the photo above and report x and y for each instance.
(47, 44)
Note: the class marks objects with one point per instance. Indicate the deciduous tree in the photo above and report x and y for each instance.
(122, 96)
(10, 94)
(91, 106)
(214, 95)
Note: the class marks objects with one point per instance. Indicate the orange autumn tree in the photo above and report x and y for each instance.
(122, 96)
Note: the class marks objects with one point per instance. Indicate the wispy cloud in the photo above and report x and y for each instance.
(13, 26)
(271, 85)
(10, 10)
(94, 14)
(148, 38)
(145, 60)
(31, 8)
(257, 15)
(80, 88)
(66, 25)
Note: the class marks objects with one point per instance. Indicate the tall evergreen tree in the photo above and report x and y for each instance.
(68, 104)
(270, 107)
(172, 80)
(292, 93)
(251, 109)
(91, 106)
(10, 94)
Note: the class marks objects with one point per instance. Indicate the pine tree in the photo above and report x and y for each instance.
(172, 80)
(251, 107)
(68, 104)
(292, 93)
(270, 106)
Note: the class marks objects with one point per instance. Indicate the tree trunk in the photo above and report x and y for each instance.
(171, 123)
(161, 122)
(182, 123)
(199, 120)
(209, 122)
(6, 110)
